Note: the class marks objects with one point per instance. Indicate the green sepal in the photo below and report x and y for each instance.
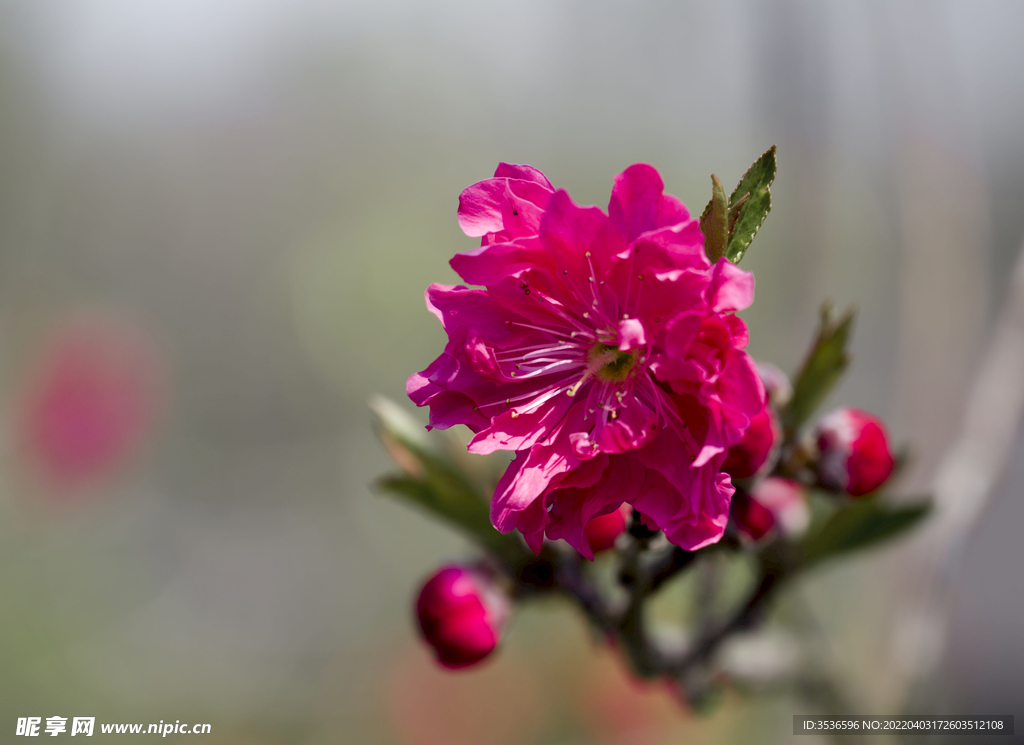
(749, 205)
(714, 222)
(824, 365)
(432, 480)
(857, 525)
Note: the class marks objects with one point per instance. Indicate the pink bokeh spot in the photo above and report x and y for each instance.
(90, 399)
(603, 349)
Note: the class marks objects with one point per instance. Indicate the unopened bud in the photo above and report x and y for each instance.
(461, 614)
(747, 457)
(753, 519)
(604, 529)
(855, 456)
(773, 503)
(787, 501)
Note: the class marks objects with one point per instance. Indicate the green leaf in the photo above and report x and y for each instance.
(714, 222)
(857, 525)
(734, 211)
(749, 204)
(432, 480)
(824, 365)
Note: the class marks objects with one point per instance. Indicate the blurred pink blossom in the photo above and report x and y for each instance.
(90, 397)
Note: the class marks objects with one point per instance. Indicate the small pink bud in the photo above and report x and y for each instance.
(604, 529)
(773, 503)
(753, 519)
(747, 456)
(855, 453)
(461, 615)
(787, 501)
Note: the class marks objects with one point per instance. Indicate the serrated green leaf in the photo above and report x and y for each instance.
(431, 479)
(824, 365)
(858, 525)
(734, 211)
(714, 221)
(751, 202)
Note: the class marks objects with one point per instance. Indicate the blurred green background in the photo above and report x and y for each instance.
(244, 200)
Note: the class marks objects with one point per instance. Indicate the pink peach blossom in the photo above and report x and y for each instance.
(603, 349)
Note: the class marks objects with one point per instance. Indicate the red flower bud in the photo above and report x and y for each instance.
(747, 456)
(773, 503)
(604, 529)
(855, 453)
(753, 519)
(461, 615)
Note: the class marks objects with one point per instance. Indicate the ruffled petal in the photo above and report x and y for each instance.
(582, 239)
(488, 265)
(509, 206)
(522, 172)
(516, 430)
(631, 334)
(638, 204)
(731, 288)
(528, 476)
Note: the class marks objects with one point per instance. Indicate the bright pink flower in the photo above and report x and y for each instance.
(603, 349)
(855, 453)
(604, 529)
(749, 455)
(461, 614)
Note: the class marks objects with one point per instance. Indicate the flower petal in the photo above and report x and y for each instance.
(522, 172)
(516, 430)
(631, 334)
(489, 264)
(731, 288)
(508, 205)
(638, 204)
(581, 238)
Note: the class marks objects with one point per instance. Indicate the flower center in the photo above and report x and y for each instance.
(609, 364)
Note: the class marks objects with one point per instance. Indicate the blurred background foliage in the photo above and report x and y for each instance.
(246, 200)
